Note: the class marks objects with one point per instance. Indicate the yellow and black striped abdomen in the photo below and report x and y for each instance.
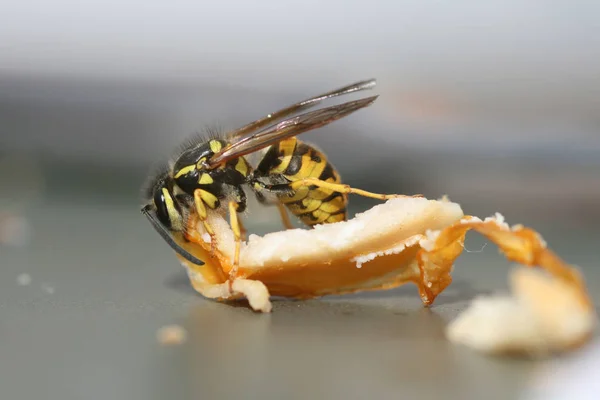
(296, 160)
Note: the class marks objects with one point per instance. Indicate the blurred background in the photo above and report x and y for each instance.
(494, 104)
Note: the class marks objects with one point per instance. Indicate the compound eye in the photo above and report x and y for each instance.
(162, 211)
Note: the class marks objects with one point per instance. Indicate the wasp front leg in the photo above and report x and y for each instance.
(239, 232)
(202, 199)
(235, 227)
(240, 204)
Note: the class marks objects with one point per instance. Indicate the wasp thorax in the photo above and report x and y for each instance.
(190, 169)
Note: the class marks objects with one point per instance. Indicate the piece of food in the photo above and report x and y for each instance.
(550, 310)
(377, 249)
(404, 240)
(14, 230)
(24, 279)
(544, 315)
(169, 335)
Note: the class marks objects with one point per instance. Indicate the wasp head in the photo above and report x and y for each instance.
(166, 212)
(165, 204)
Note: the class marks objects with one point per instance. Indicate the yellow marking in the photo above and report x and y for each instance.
(340, 201)
(336, 218)
(202, 215)
(286, 148)
(215, 146)
(320, 194)
(321, 216)
(301, 193)
(185, 170)
(209, 229)
(306, 167)
(200, 207)
(285, 161)
(205, 179)
(241, 166)
(319, 166)
(310, 204)
(174, 216)
(332, 206)
(209, 198)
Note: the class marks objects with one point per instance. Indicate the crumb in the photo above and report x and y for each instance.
(47, 288)
(14, 231)
(171, 335)
(544, 315)
(24, 279)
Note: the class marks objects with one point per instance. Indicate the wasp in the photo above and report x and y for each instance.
(212, 174)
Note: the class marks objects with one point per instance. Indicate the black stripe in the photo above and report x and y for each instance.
(314, 155)
(298, 203)
(327, 173)
(270, 160)
(301, 149)
(340, 211)
(309, 215)
(331, 197)
(294, 166)
(296, 162)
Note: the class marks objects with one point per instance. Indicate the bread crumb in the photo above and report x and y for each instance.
(255, 291)
(428, 243)
(24, 279)
(499, 220)
(14, 231)
(542, 316)
(47, 288)
(170, 335)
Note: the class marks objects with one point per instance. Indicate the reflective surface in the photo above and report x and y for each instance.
(115, 284)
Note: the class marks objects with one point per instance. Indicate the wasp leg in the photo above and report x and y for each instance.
(287, 223)
(240, 200)
(342, 188)
(202, 215)
(243, 230)
(285, 218)
(235, 227)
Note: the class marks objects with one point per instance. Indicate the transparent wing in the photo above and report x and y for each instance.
(288, 128)
(301, 106)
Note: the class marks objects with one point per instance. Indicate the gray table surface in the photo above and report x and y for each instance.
(115, 284)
